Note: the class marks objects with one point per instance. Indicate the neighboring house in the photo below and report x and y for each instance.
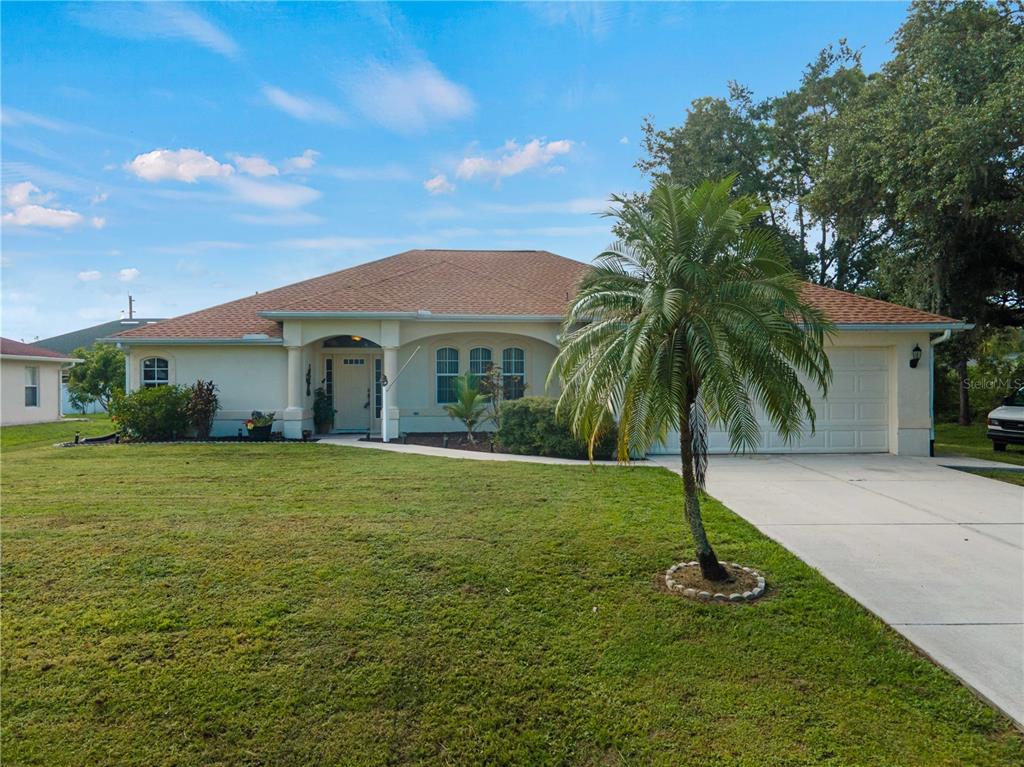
(421, 317)
(30, 382)
(85, 338)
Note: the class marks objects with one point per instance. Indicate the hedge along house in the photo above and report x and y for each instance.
(417, 319)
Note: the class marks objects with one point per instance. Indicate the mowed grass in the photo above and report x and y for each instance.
(46, 434)
(954, 439)
(308, 604)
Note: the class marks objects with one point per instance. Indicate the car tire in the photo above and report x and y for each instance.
(999, 447)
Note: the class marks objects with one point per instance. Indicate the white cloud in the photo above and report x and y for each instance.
(304, 161)
(37, 215)
(624, 140)
(19, 194)
(306, 108)
(168, 21)
(254, 166)
(90, 276)
(99, 198)
(97, 222)
(128, 275)
(188, 165)
(408, 99)
(513, 159)
(271, 195)
(439, 184)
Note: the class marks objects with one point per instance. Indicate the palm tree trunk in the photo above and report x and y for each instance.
(710, 567)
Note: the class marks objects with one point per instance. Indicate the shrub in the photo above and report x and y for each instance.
(202, 407)
(323, 410)
(470, 405)
(529, 426)
(157, 413)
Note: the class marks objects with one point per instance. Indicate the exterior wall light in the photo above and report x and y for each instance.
(915, 356)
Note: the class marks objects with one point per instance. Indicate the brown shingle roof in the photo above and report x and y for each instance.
(455, 282)
(8, 346)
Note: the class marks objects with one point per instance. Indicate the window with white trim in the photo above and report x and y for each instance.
(513, 372)
(447, 368)
(31, 386)
(156, 371)
(479, 360)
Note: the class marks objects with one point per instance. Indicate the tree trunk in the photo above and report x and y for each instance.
(710, 567)
(965, 394)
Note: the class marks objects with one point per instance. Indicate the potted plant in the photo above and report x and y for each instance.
(259, 425)
(323, 411)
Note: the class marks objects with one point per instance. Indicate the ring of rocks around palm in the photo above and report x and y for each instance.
(748, 595)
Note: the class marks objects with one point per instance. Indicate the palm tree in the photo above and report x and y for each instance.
(692, 317)
(470, 404)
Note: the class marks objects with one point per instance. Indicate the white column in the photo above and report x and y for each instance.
(293, 415)
(391, 373)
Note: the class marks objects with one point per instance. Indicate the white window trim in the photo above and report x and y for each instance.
(34, 385)
(438, 374)
(505, 371)
(469, 356)
(142, 371)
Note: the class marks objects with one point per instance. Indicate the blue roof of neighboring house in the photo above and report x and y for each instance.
(86, 337)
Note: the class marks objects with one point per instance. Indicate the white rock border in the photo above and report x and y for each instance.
(707, 596)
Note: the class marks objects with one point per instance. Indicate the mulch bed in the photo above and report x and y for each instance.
(456, 441)
(687, 578)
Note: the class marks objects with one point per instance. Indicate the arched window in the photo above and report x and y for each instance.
(447, 369)
(155, 372)
(479, 360)
(513, 372)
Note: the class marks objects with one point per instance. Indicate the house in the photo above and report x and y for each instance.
(66, 343)
(30, 382)
(417, 319)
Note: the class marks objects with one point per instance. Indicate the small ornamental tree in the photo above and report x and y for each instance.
(202, 407)
(470, 405)
(154, 414)
(98, 377)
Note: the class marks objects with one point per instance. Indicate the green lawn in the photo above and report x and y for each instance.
(1013, 477)
(46, 434)
(953, 439)
(307, 604)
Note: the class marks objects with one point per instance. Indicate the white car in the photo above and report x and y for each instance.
(1006, 422)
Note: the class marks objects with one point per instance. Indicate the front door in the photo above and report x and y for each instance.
(352, 392)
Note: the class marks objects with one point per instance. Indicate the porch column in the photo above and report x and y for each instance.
(391, 373)
(293, 415)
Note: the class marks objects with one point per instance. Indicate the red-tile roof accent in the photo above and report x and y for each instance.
(532, 283)
(10, 347)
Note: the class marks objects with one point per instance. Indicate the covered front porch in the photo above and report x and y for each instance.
(395, 375)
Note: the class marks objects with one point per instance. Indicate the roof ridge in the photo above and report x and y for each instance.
(506, 282)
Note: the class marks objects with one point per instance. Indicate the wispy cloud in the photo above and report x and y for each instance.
(158, 21)
(271, 195)
(575, 205)
(408, 98)
(188, 165)
(281, 218)
(17, 117)
(306, 108)
(90, 276)
(341, 242)
(439, 184)
(254, 166)
(512, 159)
(130, 274)
(304, 161)
(589, 18)
(389, 172)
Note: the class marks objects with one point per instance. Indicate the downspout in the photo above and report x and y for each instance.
(941, 339)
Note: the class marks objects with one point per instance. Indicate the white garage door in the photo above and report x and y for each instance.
(854, 418)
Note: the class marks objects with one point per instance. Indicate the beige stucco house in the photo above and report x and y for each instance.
(30, 378)
(385, 339)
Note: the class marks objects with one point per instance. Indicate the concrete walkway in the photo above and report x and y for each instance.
(355, 440)
(936, 553)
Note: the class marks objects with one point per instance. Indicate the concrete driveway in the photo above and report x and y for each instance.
(936, 553)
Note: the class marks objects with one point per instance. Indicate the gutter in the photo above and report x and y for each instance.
(263, 341)
(904, 327)
(423, 315)
(33, 358)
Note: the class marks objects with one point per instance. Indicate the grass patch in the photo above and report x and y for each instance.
(1013, 477)
(310, 604)
(47, 434)
(954, 439)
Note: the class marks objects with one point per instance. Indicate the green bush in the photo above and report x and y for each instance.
(529, 426)
(157, 413)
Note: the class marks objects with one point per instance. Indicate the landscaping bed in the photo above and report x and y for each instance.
(191, 605)
(451, 440)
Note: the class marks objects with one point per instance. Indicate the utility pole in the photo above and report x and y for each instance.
(131, 307)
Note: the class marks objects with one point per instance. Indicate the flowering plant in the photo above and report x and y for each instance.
(259, 419)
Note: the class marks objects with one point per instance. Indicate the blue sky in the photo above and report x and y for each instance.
(192, 154)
